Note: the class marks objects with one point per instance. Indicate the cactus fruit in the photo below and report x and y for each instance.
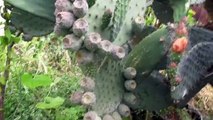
(118, 52)
(76, 97)
(62, 5)
(138, 24)
(65, 19)
(88, 98)
(108, 117)
(116, 116)
(130, 99)
(105, 46)
(124, 110)
(130, 73)
(91, 115)
(80, 8)
(72, 42)
(130, 85)
(87, 84)
(60, 31)
(84, 57)
(80, 27)
(92, 40)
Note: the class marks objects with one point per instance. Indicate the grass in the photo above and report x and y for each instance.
(42, 56)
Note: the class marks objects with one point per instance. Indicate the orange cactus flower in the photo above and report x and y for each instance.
(180, 45)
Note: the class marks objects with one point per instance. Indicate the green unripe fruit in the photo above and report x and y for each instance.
(108, 117)
(116, 116)
(130, 99)
(130, 85)
(124, 110)
(130, 73)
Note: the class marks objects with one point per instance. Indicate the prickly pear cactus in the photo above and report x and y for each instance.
(112, 82)
(120, 56)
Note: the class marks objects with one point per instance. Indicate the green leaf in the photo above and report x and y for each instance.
(2, 81)
(50, 103)
(42, 8)
(8, 34)
(15, 39)
(37, 81)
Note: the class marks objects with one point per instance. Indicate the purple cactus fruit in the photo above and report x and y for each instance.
(92, 40)
(88, 98)
(124, 110)
(130, 73)
(108, 117)
(84, 57)
(65, 19)
(62, 5)
(130, 98)
(130, 85)
(118, 52)
(116, 116)
(80, 8)
(91, 115)
(76, 97)
(72, 42)
(59, 30)
(105, 46)
(80, 27)
(87, 83)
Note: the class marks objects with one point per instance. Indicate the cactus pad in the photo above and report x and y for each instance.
(31, 24)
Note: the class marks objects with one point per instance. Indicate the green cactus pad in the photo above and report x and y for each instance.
(41, 8)
(135, 8)
(192, 68)
(153, 49)
(31, 24)
(109, 88)
(198, 35)
(95, 15)
(119, 16)
(152, 93)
